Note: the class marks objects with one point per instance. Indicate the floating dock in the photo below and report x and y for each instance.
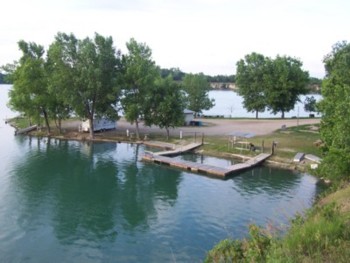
(179, 150)
(221, 172)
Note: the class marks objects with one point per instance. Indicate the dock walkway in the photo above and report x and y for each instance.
(221, 172)
(179, 149)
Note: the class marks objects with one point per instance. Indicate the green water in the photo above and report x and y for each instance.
(64, 201)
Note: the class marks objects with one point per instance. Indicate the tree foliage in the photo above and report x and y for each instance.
(272, 83)
(29, 94)
(176, 73)
(139, 75)
(285, 82)
(85, 72)
(197, 87)
(165, 105)
(335, 108)
(310, 104)
(250, 78)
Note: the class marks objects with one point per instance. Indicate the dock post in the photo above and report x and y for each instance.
(202, 138)
(273, 147)
(262, 146)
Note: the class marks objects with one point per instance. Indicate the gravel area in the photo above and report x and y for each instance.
(210, 127)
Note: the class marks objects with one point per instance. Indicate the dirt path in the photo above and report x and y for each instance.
(211, 127)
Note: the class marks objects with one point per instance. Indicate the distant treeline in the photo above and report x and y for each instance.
(178, 75)
(3, 79)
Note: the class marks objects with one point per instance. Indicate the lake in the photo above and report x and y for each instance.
(68, 201)
(230, 104)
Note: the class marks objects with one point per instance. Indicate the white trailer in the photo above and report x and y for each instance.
(99, 125)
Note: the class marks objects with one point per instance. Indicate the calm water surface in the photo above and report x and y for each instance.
(66, 201)
(230, 104)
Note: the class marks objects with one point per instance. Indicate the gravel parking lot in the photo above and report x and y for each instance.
(211, 127)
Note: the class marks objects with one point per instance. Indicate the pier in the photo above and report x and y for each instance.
(179, 150)
(221, 172)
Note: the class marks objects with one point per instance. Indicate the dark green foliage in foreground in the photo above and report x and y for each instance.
(322, 236)
(335, 108)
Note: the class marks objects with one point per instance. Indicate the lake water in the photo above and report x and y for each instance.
(230, 104)
(67, 201)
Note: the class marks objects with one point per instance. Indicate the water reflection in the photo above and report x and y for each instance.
(265, 180)
(89, 192)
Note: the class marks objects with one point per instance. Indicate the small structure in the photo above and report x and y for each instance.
(99, 125)
(188, 117)
(298, 157)
(241, 139)
(313, 158)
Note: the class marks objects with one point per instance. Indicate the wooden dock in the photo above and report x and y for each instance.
(179, 149)
(221, 172)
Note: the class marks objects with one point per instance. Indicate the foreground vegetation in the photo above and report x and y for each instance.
(323, 235)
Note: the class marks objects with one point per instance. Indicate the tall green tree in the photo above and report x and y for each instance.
(197, 88)
(61, 59)
(139, 75)
(285, 81)
(335, 108)
(250, 79)
(90, 88)
(29, 94)
(165, 105)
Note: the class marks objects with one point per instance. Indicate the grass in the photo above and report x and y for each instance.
(323, 235)
(289, 142)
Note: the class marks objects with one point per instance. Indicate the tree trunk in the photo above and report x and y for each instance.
(256, 114)
(47, 122)
(137, 130)
(282, 114)
(60, 125)
(167, 133)
(91, 130)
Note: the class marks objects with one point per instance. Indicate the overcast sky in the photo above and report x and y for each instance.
(207, 36)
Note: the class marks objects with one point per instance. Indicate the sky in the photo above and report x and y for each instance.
(207, 36)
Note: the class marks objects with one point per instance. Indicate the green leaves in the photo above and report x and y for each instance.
(139, 75)
(197, 87)
(335, 108)
(270, 83)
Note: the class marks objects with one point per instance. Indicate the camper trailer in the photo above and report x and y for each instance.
(99, 125)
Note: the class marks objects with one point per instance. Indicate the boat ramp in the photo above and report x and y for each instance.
(221, 172)
(26, 130)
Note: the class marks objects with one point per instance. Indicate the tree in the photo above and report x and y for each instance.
(90, 88)
(60, 70)
(310, 104)
(285, 81)
(29, 94)
(139, 75)
(197, 87)
(165, 105)
(335, 123)
(250, 78)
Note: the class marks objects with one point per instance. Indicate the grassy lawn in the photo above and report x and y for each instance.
(289, 142)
